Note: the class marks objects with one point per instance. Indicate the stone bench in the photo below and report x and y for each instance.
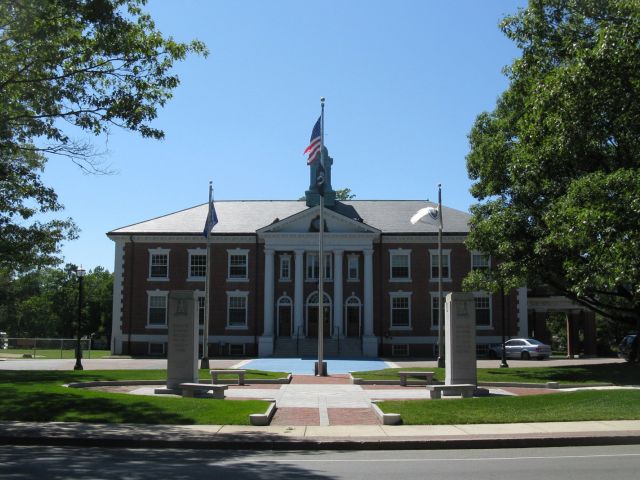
(403, 377)
(464, 390)
(215, 373)
(189, 389)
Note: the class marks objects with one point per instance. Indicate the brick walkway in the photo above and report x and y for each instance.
(323, 414)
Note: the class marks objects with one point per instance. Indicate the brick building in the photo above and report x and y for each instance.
(381, 291)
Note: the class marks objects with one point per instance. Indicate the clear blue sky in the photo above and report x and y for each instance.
(403, 81)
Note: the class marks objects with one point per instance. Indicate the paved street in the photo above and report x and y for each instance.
(584, 463)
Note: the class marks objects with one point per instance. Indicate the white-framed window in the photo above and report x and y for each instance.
(197, 264)
(238, 265)
(157, 308)
(159, 264)
(400, 310)
(285, 268)
(480, 261)
(483, 309)
(400, 262)
(400, 350)
(435, 318)
(353, 268)
(237, 309)
(156, 349)
(446, 265)
(312, 266)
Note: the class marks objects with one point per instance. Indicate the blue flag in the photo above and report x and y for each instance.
(212, 220)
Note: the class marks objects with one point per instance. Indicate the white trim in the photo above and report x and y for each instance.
(238, 252)
(327, 262)
(432, 295)
(238, 294)
(397, 252)
(118, 295)
(285, 258)
(158, 293)
(198, 252)
(353, 257)
(312, 213)
(192, 239)
(291, 241)
(445, 251)
(429, 239)
(158, 251)
(478, 253)
(490, 300)
(392, 296)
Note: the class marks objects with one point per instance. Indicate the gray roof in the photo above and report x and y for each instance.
(247, 216)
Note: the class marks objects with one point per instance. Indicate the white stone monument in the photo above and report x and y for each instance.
(182, 353)
(460, 339)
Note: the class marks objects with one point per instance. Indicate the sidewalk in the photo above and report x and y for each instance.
(363, 437)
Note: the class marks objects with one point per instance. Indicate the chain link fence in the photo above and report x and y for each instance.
(48, 347)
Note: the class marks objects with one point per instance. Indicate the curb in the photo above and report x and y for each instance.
(263, 419)
(245, 442)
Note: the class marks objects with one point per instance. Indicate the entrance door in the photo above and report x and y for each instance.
(353, 319)
(285, 317)
(312, 321)
(312, 315)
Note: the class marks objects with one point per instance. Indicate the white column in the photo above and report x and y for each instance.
(268, 292)
(338, 306)
(523, 313)
(265, 344)
(298, 300)
(369, 341)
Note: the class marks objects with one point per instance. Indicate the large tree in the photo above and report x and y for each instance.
(69, 67)
(556, 165)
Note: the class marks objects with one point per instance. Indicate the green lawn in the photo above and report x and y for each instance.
(40, 396)
(616, 373)
(556, 407)
(52, 353)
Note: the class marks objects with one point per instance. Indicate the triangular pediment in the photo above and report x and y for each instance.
(308, 221)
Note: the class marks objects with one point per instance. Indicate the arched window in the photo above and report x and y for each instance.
(311, 309)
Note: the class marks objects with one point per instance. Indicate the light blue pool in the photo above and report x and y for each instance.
(303, 366)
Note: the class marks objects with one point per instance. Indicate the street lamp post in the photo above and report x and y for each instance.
(80, 273)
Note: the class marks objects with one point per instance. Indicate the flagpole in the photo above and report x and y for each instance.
(320, 367)
(204, 363)
(441, 352)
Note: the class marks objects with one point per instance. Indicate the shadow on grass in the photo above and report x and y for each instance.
(616, 373)
(59, 377)
(49, 404)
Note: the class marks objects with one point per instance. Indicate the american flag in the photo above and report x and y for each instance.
(314, 144)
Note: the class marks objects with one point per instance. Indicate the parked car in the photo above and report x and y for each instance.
(628, 348)
(522, 348)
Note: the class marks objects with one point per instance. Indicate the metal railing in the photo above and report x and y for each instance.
(44, 347)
